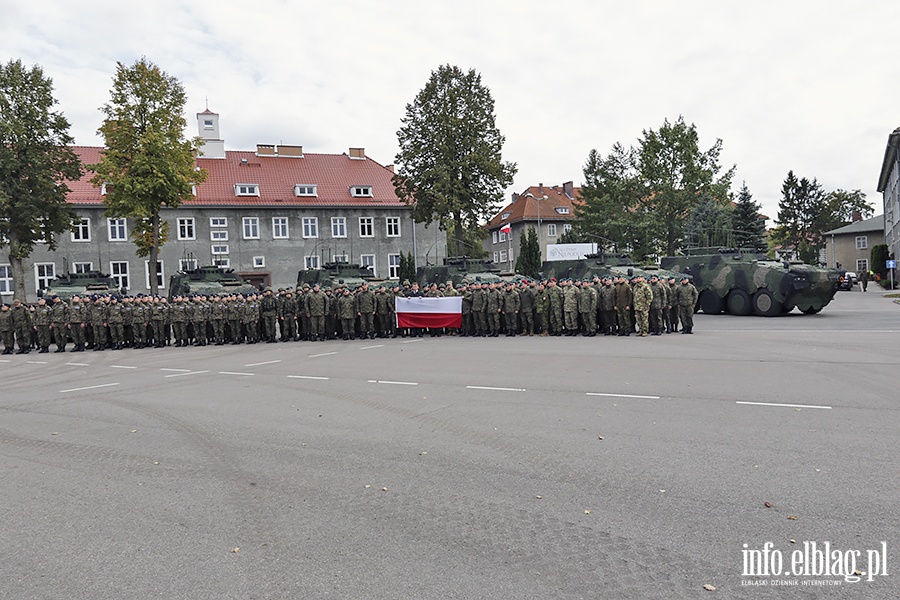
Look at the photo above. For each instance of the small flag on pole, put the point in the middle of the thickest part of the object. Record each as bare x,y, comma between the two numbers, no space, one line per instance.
506,228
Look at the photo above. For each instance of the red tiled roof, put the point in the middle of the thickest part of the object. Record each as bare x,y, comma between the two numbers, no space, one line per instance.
332,174
525,206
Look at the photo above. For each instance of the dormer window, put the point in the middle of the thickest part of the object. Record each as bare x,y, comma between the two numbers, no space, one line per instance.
504,216
103,189
246,189
563,210
303,189
361,191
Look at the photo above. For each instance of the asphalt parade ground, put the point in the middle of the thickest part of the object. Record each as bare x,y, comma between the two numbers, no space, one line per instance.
527,467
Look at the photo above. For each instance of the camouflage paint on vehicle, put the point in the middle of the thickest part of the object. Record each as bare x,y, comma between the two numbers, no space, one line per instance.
333,274
208,281
81,284
599,265
457,268
744,282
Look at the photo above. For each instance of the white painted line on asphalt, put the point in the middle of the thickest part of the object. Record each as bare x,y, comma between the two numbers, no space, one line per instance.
393,382
785,405
370,347
234,373
78,364
176,370
323,354
305,377
499,389
623,396
186,373
36,362
90,387
121,367
412,341
4,360
268,362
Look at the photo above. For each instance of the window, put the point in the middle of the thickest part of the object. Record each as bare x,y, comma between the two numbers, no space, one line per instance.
365,227
118,230
567,228
340,258
251,228
361,191
83,267
502,236
311,262
187,264
505,216
279,228
259,262
563,210
219,249
367,260
338,227
186,229
493,237
44,273
82,231
218,235
503,258
207,123
118,270
246,189
225,263
862,242
310,227
302,189
551,230
218,221
862,264
394,266
160,275
393,226
496,257
6,280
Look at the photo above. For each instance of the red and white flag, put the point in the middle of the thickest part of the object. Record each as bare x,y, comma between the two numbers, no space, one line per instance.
429,312
506,228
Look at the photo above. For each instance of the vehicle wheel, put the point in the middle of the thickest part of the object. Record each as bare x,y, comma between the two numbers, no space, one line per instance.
810,310
710,303
765,304
739,303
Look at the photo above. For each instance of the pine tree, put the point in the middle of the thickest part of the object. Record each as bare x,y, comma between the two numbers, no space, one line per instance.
529,261
749,228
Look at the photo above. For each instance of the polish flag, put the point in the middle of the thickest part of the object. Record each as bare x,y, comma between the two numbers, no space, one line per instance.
507,229
429,312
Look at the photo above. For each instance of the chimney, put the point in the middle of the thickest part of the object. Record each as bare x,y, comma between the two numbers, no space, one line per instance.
390,168
856,216
515,196
265,149
290,151
358,153
541,189
569,189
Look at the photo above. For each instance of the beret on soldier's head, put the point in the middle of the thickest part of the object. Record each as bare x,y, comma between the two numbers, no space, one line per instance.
684,278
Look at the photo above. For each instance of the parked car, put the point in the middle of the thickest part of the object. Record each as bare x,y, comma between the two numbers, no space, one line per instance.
847,281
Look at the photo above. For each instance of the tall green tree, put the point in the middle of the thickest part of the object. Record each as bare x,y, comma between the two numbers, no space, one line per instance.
36,159
709,224
147,163
529,261
677,175
806,211
450,168
749,229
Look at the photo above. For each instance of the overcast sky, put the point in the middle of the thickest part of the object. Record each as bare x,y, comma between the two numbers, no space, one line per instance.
805,85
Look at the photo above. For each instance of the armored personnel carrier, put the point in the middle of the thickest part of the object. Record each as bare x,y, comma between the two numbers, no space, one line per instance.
208,281
337,273
457,268
600,265
744,281
81,284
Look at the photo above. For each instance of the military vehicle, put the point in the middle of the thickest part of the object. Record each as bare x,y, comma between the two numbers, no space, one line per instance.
337,273
599,265
208,281
81,284
457,268
745,281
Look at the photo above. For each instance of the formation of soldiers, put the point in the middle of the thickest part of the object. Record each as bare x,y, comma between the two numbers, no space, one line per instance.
601,305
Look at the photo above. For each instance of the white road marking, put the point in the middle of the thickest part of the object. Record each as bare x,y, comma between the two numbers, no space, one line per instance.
370,347
234,373
412,341
305,377
121,367
4,360
90,387
323,354
623,396
78,364
35,362
186,373
176,370
499,389
268,362
785,405
393,382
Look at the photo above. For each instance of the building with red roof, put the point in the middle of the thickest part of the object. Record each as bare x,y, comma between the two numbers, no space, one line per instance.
266,214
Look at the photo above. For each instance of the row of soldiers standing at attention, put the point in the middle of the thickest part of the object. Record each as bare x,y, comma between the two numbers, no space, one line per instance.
607,305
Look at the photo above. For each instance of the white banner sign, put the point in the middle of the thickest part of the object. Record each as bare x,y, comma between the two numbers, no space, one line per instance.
569,251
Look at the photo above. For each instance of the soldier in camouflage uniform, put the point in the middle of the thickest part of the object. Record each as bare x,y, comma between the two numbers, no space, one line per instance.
316,307
468,321
526,307
494,309
556,308
607,301
21,323
58,317
347,307
642,299
587,308
479,309
116,320
686,298
542,312
76,319
365,302
288,317
624,302
268,307
657,305
200,320
42,321
672,309
510,305
217,310
570,307
250,317
7,334
99,322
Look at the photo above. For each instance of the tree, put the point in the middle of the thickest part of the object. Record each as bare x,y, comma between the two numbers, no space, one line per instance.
879,256
35,162
709,224
749,229
147,163
449,164
407,267
572,236
469,245
529,261
677,176
806,212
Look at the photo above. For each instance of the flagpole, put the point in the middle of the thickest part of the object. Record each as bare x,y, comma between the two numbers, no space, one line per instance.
509,250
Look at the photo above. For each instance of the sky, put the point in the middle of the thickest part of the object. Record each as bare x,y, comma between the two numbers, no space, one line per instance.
801,85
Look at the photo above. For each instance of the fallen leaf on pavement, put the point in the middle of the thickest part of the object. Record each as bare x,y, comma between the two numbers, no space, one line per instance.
792,518
709,588
768,504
